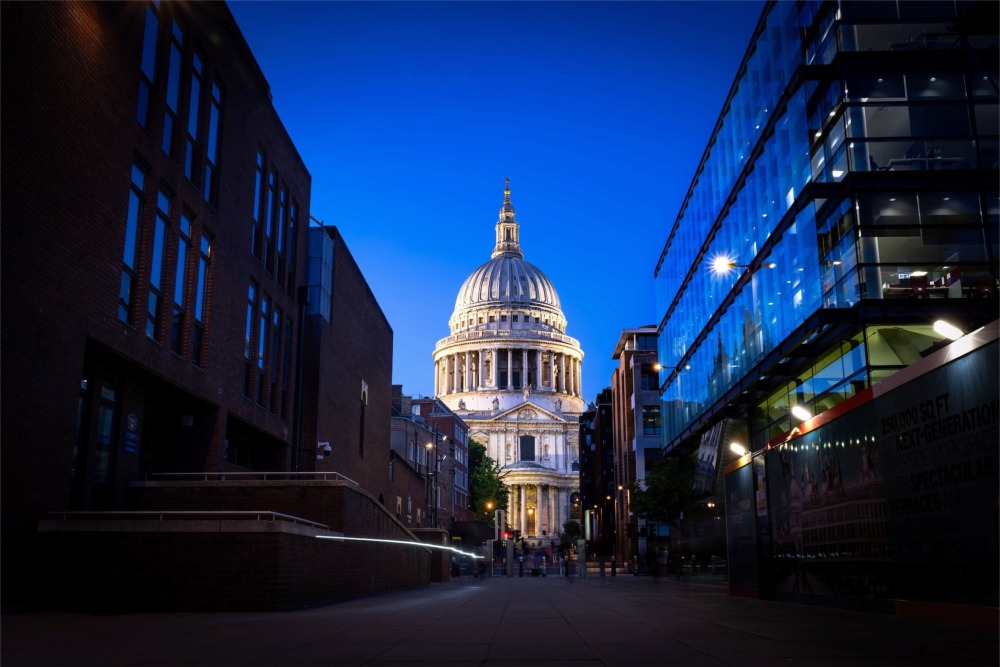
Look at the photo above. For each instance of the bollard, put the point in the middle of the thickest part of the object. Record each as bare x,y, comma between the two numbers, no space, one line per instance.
614,566
602,567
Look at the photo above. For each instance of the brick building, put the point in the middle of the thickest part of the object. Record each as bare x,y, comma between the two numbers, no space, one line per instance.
597,476
154,285
449,495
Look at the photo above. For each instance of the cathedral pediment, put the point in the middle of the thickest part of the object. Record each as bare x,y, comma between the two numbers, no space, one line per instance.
528,412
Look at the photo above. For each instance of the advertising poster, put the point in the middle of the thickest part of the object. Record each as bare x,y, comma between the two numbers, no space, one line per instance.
939,439
828,523
741,526
707,461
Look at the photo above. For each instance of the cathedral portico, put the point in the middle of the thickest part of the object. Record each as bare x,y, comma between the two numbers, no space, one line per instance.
509,369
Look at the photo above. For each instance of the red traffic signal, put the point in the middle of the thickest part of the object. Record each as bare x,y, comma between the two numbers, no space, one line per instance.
506,534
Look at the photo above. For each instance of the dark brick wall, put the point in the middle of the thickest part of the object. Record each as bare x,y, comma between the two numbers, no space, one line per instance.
178,568
215,571
71,73
354,348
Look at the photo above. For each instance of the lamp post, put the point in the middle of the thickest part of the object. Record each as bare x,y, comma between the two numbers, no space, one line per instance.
432,490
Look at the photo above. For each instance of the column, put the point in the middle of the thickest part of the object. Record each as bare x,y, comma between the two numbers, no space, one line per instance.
521,509
579,377
482,369
467,379
437,377
562,373
538,370
510,369
524,368
554,526
552,371
513,504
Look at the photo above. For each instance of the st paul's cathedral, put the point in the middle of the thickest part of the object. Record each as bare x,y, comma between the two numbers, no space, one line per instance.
511,372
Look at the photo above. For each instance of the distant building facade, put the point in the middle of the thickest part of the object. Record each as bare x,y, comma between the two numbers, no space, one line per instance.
637,434
509,370
598,497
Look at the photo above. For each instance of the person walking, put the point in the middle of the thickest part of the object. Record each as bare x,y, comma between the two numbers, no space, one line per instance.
662,558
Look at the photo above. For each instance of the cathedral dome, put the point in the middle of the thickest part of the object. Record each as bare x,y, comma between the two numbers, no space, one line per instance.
507,280
507,283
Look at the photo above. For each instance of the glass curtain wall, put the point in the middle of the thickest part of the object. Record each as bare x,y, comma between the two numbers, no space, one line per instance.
747,204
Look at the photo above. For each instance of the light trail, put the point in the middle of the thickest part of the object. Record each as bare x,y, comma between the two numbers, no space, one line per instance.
404,542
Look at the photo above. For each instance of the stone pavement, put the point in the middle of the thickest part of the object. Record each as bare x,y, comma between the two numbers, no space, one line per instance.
549,621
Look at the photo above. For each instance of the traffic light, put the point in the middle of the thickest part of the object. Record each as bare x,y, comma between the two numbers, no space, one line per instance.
506,534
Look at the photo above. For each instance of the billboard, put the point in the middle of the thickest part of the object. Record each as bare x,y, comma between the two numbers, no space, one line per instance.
707,463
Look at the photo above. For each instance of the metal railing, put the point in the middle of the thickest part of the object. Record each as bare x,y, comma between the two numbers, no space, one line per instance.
251,475
160,515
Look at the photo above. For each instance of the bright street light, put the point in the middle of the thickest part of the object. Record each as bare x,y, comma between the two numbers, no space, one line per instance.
738,449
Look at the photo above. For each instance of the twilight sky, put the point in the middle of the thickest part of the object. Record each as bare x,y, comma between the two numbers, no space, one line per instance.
409,115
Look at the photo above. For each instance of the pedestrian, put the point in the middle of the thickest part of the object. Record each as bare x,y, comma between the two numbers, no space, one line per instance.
662,557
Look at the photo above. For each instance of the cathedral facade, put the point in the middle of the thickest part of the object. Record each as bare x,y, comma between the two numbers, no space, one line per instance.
511,372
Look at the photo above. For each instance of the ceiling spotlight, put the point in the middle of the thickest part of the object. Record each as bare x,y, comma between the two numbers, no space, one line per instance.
948,330
801,413
738,449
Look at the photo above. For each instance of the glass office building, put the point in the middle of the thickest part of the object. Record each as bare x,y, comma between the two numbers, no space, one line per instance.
847,199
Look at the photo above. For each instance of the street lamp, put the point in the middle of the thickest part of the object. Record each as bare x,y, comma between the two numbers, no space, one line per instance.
432,514
723,264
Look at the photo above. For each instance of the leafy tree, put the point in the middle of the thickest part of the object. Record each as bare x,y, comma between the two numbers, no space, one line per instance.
667,490
572,529
485,483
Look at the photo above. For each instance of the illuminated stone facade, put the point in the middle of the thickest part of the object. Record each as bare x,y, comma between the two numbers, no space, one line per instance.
511,372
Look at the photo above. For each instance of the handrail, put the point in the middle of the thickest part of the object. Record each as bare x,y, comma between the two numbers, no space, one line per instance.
262,475
257,515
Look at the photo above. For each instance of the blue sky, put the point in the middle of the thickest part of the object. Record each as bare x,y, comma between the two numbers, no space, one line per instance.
409,115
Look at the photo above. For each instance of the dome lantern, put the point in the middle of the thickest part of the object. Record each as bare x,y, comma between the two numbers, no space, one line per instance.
507,228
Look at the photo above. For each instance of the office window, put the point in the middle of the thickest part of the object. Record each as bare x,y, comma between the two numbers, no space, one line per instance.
262,330
648,379
279,263
173,88
293,225
201,299
211,158
248,339
180,284
257,238
277,319
194,104
156,272
133,231
147,71
269,227
651,420
645,342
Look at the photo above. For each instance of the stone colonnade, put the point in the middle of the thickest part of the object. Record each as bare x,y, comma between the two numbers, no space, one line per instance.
507,369
538,507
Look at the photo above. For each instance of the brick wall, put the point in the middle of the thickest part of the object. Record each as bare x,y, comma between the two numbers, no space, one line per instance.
227,565
181,563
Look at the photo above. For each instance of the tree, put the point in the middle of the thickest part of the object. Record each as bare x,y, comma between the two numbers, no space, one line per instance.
666,491
485,483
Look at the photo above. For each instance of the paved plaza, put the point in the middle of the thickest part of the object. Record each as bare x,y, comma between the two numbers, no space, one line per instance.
551,621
